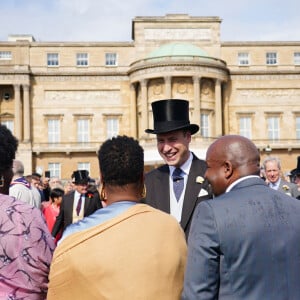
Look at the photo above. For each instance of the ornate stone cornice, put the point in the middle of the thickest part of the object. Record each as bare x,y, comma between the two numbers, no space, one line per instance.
179,70
59,77
265,76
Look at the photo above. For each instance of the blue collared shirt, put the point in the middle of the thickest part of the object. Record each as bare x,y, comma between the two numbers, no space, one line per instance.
99,216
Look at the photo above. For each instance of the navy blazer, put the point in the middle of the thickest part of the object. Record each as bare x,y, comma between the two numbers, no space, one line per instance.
65,216
245,244
158,191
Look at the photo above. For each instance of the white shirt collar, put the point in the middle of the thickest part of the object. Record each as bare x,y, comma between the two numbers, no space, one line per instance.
229,188
185,167
77,195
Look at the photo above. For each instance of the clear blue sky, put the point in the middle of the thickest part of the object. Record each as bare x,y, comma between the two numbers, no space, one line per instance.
110,20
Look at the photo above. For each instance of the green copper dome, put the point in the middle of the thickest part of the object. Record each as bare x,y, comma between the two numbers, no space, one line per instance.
176,49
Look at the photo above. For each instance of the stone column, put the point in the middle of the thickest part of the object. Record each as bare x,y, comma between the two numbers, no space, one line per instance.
18,115
133,116
218,108
197,113
144,96
26,116
168,87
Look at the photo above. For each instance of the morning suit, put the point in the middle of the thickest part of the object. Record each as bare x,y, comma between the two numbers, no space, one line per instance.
158,191
288,188
65,217
245,245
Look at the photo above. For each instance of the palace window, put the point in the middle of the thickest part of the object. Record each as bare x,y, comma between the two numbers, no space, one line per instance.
52,59
271,58
5,55
9,124
110,59
53,131
112,127
204,125
82,59
246,126
83,130
297,58
55,169
298,128
84,166
243,59
273,128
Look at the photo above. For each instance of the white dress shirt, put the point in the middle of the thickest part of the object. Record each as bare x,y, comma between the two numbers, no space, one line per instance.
176,206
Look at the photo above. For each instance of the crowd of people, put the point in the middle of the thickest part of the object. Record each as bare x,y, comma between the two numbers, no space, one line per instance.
226,227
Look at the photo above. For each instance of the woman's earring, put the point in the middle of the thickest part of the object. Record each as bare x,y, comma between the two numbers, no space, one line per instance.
144,192
2,181
102,193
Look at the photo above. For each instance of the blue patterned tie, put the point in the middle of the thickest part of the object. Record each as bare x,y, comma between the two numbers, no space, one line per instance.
178,183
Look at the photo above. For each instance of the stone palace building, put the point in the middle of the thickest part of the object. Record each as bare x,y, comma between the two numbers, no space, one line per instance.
63,99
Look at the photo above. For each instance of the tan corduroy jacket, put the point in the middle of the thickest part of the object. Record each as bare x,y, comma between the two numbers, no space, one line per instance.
140,254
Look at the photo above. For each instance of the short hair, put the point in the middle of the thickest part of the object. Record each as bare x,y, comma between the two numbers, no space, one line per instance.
18,167
275,159
121,161
56,192
8,148
36,177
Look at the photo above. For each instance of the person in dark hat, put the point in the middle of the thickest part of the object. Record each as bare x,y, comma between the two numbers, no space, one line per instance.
179,185
77,204
295,175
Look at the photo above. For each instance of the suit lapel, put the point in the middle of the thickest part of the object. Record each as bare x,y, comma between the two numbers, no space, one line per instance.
192,191
69,202
162,180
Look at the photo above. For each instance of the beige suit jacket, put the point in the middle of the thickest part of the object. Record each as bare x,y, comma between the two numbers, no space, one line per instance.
140,254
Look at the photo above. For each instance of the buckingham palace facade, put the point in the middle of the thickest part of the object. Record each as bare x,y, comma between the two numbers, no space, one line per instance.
62,100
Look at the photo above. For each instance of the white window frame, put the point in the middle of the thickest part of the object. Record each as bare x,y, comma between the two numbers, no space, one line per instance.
5,55
111,59
83,130
271,58
112,127
273,123
297,58
55,169
52,59
82,59
204,125
84,166
245,126
9,124
298,127
243,59
53,131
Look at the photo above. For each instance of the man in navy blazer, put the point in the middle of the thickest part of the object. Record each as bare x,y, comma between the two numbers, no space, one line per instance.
245,243
173,133
77,204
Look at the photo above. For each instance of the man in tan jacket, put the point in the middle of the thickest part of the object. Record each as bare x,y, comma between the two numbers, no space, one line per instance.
126,250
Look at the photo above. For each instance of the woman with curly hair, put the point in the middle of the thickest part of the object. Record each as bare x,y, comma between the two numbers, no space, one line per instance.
26,245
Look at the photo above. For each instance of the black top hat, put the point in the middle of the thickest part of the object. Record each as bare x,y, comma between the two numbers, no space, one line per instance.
81,176
170,115
297,170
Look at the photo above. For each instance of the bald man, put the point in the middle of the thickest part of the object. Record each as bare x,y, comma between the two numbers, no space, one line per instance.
245,244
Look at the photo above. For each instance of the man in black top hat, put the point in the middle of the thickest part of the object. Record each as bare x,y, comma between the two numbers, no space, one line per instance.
77,204
179,185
